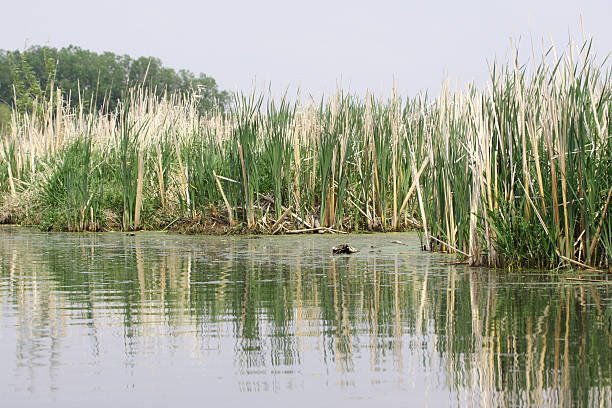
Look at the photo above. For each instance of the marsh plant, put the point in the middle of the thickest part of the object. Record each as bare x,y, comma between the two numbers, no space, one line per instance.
517,174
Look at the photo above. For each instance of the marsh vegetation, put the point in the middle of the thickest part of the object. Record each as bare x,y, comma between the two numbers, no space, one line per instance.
516,174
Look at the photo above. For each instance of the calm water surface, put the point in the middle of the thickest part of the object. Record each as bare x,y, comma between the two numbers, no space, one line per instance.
165,320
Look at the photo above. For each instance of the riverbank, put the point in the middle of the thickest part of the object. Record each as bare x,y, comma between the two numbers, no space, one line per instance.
208,222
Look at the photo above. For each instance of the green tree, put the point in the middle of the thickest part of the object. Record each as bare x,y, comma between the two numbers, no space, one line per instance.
28,84
5,117
99,79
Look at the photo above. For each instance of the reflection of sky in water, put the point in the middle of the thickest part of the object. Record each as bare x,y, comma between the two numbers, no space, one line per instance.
157,319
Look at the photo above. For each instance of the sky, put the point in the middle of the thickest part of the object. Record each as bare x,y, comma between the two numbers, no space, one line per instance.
314,45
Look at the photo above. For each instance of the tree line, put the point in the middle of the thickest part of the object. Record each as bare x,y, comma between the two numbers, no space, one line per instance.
95,80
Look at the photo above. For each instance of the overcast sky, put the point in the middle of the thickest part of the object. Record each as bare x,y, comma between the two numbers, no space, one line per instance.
311,44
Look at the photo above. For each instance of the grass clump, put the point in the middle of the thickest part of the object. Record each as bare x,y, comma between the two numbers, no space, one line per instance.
72,190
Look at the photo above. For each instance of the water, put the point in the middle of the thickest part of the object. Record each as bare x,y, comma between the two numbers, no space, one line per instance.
165,320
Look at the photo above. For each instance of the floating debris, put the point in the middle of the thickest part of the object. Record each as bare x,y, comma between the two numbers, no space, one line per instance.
344,249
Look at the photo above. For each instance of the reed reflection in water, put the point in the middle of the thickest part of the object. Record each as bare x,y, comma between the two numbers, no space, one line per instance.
159,318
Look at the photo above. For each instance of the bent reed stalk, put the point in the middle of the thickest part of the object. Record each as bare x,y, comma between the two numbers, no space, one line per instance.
519,174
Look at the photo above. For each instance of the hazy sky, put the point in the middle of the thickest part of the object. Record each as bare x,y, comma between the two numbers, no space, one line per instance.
312,44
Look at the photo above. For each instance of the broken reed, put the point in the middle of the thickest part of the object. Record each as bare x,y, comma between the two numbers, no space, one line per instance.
519,174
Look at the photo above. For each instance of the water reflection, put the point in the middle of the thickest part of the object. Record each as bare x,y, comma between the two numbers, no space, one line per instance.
281,314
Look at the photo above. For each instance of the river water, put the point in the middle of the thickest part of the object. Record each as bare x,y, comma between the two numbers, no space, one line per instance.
155,319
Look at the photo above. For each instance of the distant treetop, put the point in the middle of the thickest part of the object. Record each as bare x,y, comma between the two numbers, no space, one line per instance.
96,77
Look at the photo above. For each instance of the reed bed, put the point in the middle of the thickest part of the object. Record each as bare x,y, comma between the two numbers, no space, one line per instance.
517,174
